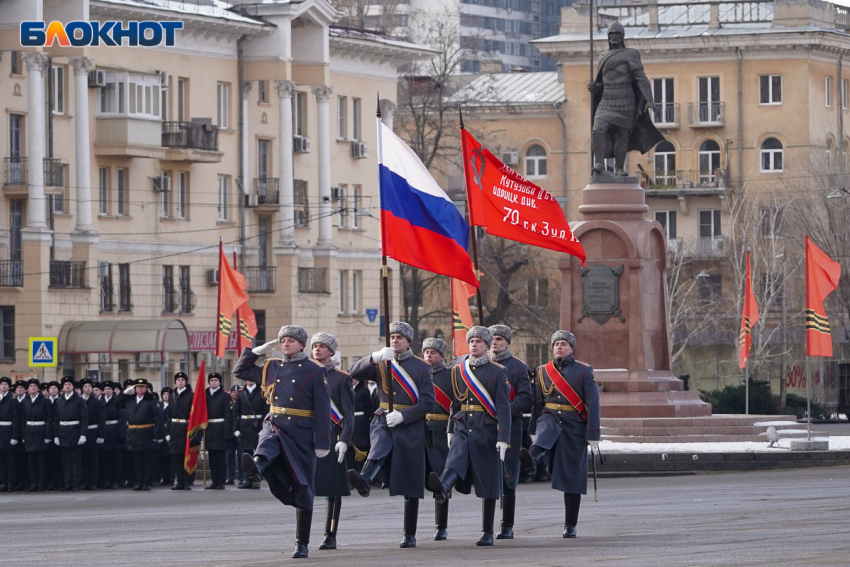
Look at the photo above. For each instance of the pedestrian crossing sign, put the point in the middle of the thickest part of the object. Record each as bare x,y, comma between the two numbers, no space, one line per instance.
42,352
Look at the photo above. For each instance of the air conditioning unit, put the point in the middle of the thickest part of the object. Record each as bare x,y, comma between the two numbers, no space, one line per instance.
103,269
510,158
212,276
163,78
161,184
252,201
97,78
359,150
301,144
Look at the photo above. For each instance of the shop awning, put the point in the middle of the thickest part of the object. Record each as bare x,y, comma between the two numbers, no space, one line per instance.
124,336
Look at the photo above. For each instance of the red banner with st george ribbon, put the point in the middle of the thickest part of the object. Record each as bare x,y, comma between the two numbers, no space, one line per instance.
509,206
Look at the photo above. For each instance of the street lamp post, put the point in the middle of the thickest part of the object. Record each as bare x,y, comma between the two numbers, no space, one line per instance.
782,385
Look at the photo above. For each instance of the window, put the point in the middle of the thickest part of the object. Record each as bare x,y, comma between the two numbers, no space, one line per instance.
829,146
343,291
357,203
302,208
263,169
665,165
125,302
182,195
535,162
827,89
709,161
668,221
223,102
709,99
662,93
121,191
103,190
770,221
299,114
58,90
771,287
771,155
16,223
844,94
16,137
132,94
104,270
262,91
260,316
166,197
355,291
16,65
342,115
709,223
187,297
182,99
169,294
535,355
7,332
57,203
338,204
538,292
770,89
223,189
710,287
355,119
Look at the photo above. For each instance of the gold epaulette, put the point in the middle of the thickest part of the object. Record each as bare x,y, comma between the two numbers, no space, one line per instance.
580,362
496,363
420,359
316,362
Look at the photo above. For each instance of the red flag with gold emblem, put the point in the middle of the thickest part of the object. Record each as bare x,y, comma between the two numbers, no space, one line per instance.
247,327
231,294
461,315
198,419
822,276
749,317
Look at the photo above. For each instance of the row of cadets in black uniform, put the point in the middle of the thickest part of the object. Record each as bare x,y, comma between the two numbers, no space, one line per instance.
297,430
10,436
219,430
178,412
145,429
249,411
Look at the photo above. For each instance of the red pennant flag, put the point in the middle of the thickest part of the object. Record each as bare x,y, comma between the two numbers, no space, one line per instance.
749,317
247,327
231,294
510,206
461,315
822,276
197,423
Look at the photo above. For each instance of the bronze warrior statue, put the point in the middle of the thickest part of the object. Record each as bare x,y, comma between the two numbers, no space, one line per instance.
621,96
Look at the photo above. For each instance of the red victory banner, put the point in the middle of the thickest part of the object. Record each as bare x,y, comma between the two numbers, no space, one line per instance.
197,423
749,318
461,315
510,206
231,294
822,276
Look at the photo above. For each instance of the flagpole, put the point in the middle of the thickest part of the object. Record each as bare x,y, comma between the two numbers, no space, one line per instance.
237,326
472,229
218,304
384,270
808,402
747,386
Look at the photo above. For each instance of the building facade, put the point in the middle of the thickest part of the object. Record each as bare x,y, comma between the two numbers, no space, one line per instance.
125,167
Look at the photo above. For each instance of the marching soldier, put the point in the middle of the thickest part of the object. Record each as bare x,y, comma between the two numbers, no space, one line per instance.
94,436
37,418
110,472
480,428
566,408
10,435
143,428
219,430
521,400
179,410
251,408
399,433
297,429
364,410
21,461
71,423
436,436
331,481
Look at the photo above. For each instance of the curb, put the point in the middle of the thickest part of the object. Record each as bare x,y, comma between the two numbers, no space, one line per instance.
689,463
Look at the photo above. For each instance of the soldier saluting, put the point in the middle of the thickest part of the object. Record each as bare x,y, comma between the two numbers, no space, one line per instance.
401,432
297,429
437,422
566,408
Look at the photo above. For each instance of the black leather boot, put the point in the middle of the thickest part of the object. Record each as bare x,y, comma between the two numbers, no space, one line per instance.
331,522
488,518
441,520
442,485
362,481
528,461
411,518
572,502
506,527
303,520
253,467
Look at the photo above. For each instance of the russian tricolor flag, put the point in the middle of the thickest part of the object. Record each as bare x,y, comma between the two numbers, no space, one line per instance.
420,226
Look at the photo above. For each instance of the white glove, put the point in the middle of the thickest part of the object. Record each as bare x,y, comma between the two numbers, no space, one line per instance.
158,440
129,390
394,418
341,449
99,440
263,349
386,353
533,439
168,438
322,453
593,444
82,440
13,442
502,447
238,434
55,440
449,438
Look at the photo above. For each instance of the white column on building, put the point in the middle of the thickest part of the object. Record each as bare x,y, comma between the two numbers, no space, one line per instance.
285,90
36,62
387,112
323,95
82,66
246,173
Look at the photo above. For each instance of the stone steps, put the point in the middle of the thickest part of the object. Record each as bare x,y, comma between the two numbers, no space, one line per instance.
711,429
707,438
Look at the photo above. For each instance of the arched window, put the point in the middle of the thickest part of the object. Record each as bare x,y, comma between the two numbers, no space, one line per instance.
535,162
829,146
709,161
665,165
771,155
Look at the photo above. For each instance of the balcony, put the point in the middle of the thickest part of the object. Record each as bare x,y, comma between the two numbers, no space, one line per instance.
127,136
16,176
706,114
170,297
194,141
688,182
261,279
11,273
668,116
313,280
188,299
67,274
700,248
268,192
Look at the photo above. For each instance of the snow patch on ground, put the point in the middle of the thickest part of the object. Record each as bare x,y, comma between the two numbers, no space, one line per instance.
835,444
774,423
